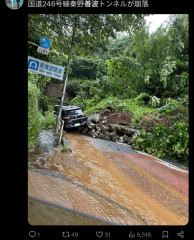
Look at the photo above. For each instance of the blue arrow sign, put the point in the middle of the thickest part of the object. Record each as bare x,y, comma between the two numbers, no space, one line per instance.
45,43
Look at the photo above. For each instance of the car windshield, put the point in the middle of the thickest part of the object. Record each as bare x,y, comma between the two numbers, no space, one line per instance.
74,112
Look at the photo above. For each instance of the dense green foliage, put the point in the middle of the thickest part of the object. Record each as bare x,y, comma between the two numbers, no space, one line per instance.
167,142
38,118
146,75
73,36
135,72
129,106
78,34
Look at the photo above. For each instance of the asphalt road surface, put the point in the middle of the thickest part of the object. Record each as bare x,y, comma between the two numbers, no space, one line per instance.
109,181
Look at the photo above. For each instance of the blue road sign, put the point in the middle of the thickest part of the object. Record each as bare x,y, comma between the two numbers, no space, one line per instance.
45,68
33,64
45,43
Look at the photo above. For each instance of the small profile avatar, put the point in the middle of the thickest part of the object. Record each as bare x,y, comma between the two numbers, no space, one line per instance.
14,4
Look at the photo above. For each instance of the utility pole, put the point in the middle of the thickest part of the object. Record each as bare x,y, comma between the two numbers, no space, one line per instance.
66,77
63,94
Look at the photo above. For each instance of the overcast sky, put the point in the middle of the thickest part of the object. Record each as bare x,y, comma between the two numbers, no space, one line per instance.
156,20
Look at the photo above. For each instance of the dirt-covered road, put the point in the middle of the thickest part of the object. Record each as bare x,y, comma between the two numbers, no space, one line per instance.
110,181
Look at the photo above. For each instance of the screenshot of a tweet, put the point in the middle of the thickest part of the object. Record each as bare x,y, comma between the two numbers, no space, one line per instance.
103,97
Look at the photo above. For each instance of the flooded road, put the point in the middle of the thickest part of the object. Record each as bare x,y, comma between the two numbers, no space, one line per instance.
113,184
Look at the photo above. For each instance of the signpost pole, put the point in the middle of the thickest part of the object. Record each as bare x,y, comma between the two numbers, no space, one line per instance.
63,95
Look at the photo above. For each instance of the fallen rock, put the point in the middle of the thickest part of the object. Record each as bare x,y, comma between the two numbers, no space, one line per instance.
104,129
95,135
91,126
110,125
113,136
130,131
129,141
125,139
117,128
102,136
94,118
98,128
121,140
107,135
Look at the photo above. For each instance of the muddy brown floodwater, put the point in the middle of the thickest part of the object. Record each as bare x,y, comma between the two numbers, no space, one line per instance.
124,188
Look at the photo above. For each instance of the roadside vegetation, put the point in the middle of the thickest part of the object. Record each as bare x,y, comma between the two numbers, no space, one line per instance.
138,73
39,114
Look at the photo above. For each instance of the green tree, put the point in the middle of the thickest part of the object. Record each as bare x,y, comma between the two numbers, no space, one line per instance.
80,33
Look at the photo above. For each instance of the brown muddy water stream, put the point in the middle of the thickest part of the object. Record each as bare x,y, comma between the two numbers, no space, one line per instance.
124,188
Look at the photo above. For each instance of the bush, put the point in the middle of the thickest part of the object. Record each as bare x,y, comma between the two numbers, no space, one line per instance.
154,101
142,98
34,127
36,104
49,120
73,87
165,142
173,107
34,115
78,101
